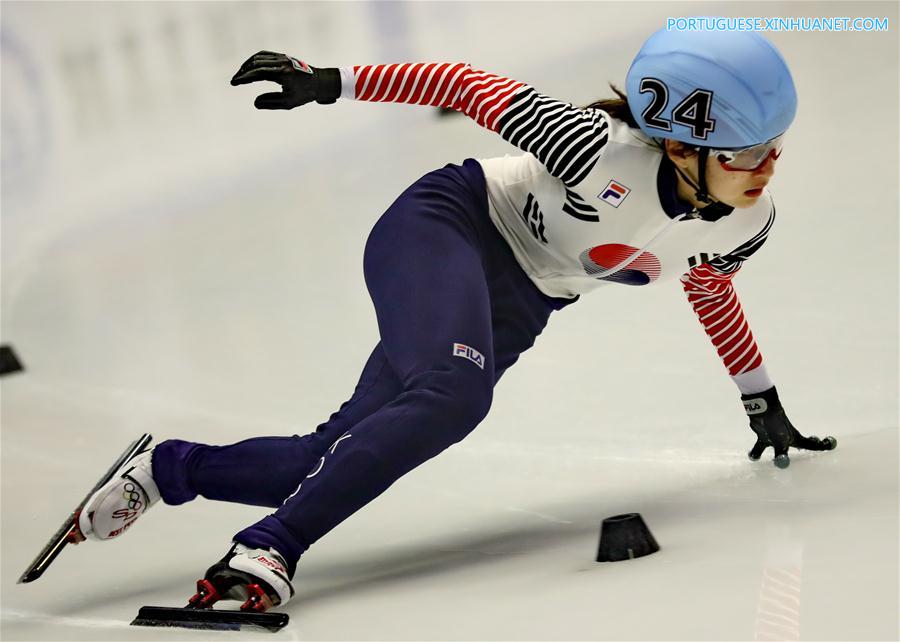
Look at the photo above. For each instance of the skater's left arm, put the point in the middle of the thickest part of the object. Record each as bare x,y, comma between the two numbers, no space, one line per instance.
568,140
710,291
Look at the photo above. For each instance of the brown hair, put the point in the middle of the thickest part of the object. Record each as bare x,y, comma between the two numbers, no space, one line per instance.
616,107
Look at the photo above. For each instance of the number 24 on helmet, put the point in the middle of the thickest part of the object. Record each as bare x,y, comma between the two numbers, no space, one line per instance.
729,91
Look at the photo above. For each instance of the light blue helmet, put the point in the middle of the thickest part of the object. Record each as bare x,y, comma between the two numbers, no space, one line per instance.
720,89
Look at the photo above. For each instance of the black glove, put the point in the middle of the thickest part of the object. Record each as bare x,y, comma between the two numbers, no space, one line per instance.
299,82
773,428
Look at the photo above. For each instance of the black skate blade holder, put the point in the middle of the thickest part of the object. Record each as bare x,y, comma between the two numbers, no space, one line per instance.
59,540
208,618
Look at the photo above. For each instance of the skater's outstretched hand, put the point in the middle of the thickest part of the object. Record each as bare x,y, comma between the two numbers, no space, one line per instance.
300,83
772,427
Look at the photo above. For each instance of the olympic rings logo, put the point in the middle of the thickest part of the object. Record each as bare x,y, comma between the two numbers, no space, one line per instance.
132,496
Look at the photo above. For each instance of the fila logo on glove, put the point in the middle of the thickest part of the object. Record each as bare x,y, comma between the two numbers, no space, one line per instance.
755,406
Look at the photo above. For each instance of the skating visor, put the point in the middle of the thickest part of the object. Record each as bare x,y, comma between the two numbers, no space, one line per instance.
749,158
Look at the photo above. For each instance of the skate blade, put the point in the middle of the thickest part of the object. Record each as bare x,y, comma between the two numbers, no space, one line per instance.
66,533
218,619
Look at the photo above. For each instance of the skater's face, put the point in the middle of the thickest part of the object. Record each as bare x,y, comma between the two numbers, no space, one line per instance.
734,188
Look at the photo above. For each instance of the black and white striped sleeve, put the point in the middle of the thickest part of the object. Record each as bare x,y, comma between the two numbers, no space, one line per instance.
567,140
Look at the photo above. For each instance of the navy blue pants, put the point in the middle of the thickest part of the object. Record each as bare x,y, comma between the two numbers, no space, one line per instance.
454,311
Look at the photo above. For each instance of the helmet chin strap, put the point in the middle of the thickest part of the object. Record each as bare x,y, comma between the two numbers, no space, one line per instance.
700,191
715,208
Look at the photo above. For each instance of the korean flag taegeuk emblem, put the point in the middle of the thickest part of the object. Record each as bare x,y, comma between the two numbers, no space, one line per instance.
614,193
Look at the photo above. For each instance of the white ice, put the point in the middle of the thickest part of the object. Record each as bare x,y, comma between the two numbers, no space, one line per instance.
176,262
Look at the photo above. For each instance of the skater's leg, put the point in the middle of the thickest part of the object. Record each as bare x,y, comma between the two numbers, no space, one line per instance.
425,274
263,471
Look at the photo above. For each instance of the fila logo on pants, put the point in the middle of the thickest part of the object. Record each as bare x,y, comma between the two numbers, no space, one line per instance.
464,351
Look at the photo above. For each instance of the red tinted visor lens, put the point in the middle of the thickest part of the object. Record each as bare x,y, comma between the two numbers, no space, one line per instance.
750,158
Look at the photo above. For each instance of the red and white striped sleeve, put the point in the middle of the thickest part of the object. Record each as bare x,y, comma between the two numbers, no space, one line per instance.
715,301
566,139
711,293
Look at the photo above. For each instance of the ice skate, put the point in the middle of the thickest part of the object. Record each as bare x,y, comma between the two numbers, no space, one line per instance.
257,577
69,532
115,507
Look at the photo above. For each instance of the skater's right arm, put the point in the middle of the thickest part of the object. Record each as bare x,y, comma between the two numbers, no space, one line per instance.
567,140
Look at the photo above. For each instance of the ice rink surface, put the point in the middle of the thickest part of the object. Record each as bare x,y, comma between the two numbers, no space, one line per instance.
176,262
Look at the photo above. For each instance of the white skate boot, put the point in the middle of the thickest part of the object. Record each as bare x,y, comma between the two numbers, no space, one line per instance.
257,577
118,504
